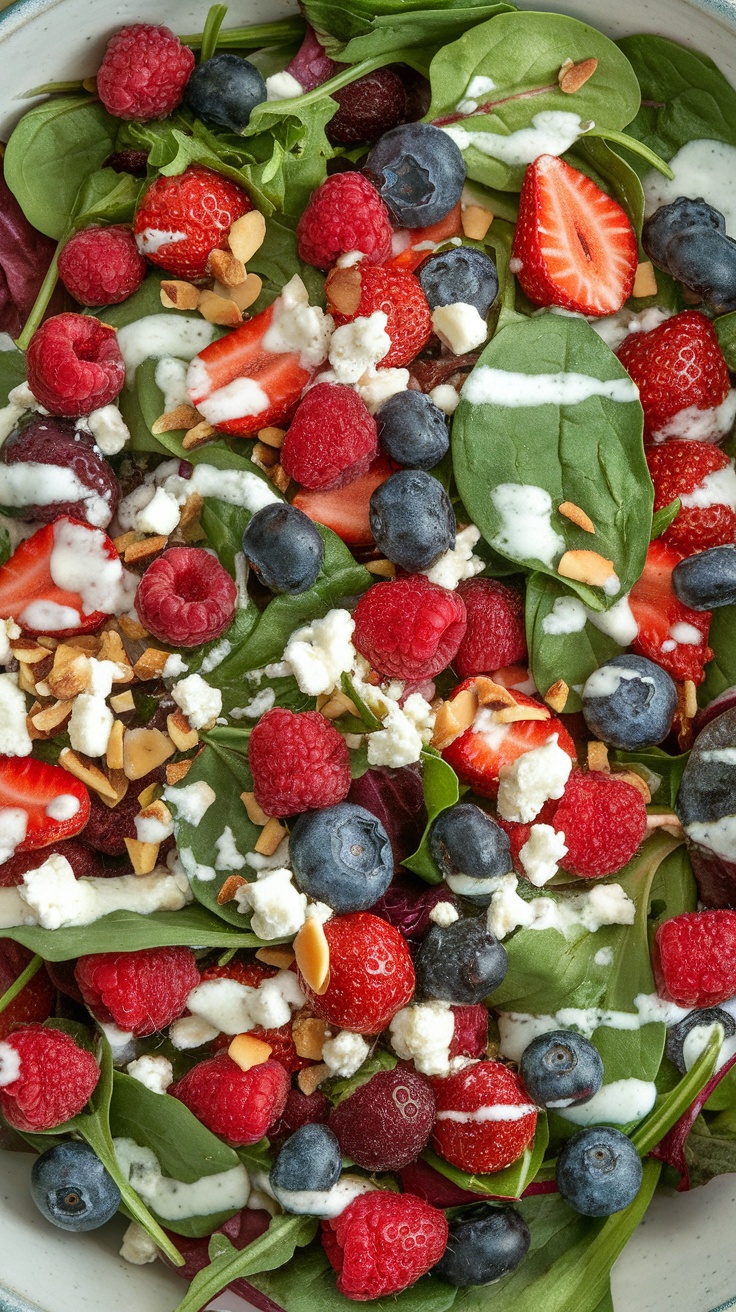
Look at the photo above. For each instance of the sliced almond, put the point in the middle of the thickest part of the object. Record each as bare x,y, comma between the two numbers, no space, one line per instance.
665,820
264,455
28,652
384,569
574,76
557,695
576,515
230,888
310,1035
144,549
343,288
144,750
645,280
220,310
51,718
311,1077
114,753
339,704
246,235
244,294
181,733
281,958
148,795
70,673
598,756
179,295
142,855
312,952
112,649
636,781
492,694
279,477
183,416
157,810
119,785
41,689
476,221
122,702
151,664
86,642
256,813
520,712
586,567
126,540
177,771
198,435
454,717
272,436
132,629
49,643
270,837
226,268
87,773
247,1051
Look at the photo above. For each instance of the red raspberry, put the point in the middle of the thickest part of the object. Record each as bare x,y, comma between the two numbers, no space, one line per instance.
51,441
409,629
382,1243
186,597
140,991
369,107
143,72
345,214
387,1121
281,1043
694,958
371,974
473,1129
604,820
678,469
74,364
495,636
240,1106
470,1038
332,438
409,319
299,762
55,1081
101,266
199,203
82,861
301,1109
35,1001
675,366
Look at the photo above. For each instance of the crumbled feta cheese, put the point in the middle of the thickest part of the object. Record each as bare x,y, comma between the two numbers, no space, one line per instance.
122,1042
150,829
58,900
445,397
444,914
423,1034
109,429
279,909
190,801
376,385
542,851
138,1248
507,910
345,1053
198,700
234,1008
191,1032
62,807
531,780
174,666
90,724
160,515
460,327
299,327
14,739
217,654
321,651
605,904
8,629
13,826
398,743
282,86
262,702
459,563
10,1064
279,858
228,856
153,1072
358,346
319,911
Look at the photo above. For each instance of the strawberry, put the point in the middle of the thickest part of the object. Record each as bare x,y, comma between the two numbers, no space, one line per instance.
345,509
576,245
413,241
479,753
471,1130
371,974
182,219
29,593
31,786
679,366
35,1001
400,297
705,480
670,634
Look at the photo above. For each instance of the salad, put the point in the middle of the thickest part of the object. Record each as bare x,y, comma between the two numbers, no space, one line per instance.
368,620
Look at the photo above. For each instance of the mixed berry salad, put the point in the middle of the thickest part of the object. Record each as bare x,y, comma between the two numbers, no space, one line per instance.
368,624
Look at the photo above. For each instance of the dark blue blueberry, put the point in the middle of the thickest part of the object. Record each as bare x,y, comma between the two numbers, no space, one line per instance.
460,963
704,261
310,1159
224,90
708,785
462,273
678,216
342,856
413,430
71,1187
419,172
676,1034
284,547
561,1069
412,519
707,580
470,848
598,1171
629,702
484,1243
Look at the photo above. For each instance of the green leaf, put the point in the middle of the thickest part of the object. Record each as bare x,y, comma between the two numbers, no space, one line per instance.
671,1107
212,24
192,924
307,1284
12,372
684,96
720,672
569,656
337,1090
359,30
273,1249
655,765
709,1153
11,993
663,517
590,453
725,326
673,890
509,1183
277,260
253,37
107,197
441,789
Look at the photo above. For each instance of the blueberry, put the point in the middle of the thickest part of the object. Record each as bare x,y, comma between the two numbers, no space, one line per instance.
707,580
224,90
561,1069
284,547
470,848
462,273
309,1160
413,430
461,963
704,261
419,172
708,786
598,1171
412,519
342,856
71,1187
484,1243
677,217
629,702
677,1034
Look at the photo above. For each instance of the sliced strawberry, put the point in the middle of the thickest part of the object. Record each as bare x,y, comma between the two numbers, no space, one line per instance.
345,509
576,246
33,786
409,257
682,377
667,627
479,754
28,592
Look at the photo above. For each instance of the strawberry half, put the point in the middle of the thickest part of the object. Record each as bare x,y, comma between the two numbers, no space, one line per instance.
576,246
670,634
33,786
682,377
409,257
29,594
345,509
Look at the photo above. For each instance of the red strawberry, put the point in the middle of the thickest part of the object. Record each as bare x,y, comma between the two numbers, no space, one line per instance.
678,366
35,1000
470,1038
182,219
694,958
705,479
484,1117
479,753
31,786
408,257
668,630
576,245
30,595
371,974
345,509
399,296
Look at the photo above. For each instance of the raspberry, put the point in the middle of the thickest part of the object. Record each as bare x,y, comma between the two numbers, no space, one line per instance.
299,762
240,1106
368,108
300,1109
409,629
186,597
81,860
344,214
140,991
101,266
128,161
74,364
51,441
470,1038
55,1081
35,1001
371,974
199,203
387,1121
409,319
463,1135
604,819
677,366
681,468
143,72
694,958
495,635
332,438
382,1243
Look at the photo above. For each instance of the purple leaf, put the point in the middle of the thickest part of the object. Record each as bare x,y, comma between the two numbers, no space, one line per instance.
406,905
671,1149
25,256
396,797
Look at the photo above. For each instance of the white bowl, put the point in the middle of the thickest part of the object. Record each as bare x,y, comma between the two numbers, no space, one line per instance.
679,1260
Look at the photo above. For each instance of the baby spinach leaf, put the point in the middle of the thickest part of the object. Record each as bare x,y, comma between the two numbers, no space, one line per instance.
107,197
654,761
569,656
509,1183
673,889
441,789
192,924
354,31
663,517
337,1090
720,672
589,452
709,1153
725,326
12,372
619,179
684,97
273,1249
308,1283
671,1107
277,260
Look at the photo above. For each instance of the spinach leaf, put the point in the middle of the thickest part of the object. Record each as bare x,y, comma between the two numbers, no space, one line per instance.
12,372
212,24
589,452
338,1089
308,1283
671,1107
277,260
509,1183
725,326
673,889
441,789
569,656
720,673
652,761
684,97
663,517
594,156
107,197
354,31
192,924
273,1249
708,1152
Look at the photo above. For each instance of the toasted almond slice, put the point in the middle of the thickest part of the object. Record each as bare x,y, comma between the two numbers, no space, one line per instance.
645,280
230,888
132,629
144,549
343,289
181,733
151,664
247,1051
191,509
155,809
279,477
573,76
70,673
310,1035
114,753
339,704
270,837
520,712
312,952
49,643
119,784
51,718
598,756
492,694
246,235
263,455
28,652
226,268
177,771
245,294
142,855
220,310
122,702
689,699
636,781
179,295
126,540
87,773
578,516
476,221
112,649
89,643
281,958
272,436
148,795
586,567
41,689
144,750
384,569
665,820
197,436
311,1077
454,717
557,695
256,813
182,416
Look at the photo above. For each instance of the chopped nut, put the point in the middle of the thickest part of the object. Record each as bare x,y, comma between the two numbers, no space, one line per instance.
272,436
385,569
454,717
126,540
226,268
147,547
114,753
148,795
281,958
265,456
151,664
28,652
26,681
51,718
191,509
339,704
665,820
636,781
155,810
246,235
310,1035
270,837
70,673
476,221
89,643
343,289
689,700
255,812
219,310
132,629
122,701
493,695
179,295
119,785
181,733
311,1077
197,436
598,756
244,294
557,695
230,888
183,416
520,712
312,952
578,516
586,567
142,855
49,643
177,771
645,281
279,477
572,77
42,689
144,750
86,772
247,1051
112,649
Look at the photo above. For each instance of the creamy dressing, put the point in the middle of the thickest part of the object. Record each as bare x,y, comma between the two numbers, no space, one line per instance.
701,168
152,240
326,1203
700,425
63,807
160,335
607,680
30,482
717,835
517,1030
80,564
170,377
236,400
717,489
487,386
525,512
499,1112
50,896
620,1102
552,132
238,487
569,615
175,1200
